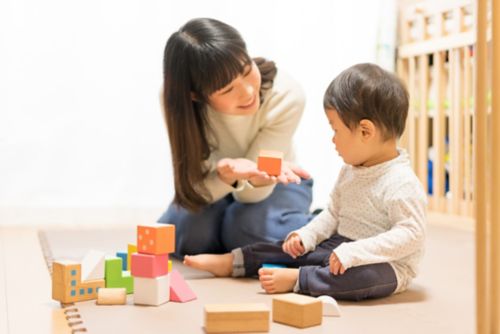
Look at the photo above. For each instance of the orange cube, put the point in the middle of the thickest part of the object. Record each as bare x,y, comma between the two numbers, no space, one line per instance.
156,239
270,162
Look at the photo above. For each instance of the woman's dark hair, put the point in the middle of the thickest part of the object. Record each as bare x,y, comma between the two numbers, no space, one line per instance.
202,57
366,91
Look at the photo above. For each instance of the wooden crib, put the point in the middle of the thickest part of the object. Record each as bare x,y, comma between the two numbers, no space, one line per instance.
449,57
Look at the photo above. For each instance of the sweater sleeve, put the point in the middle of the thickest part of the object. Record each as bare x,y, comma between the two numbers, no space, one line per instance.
284,111
323,225
408,212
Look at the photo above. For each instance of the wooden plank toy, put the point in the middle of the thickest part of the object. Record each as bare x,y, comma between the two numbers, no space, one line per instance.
147,265
115,277
131,249
67,286
297,310
270,162
179,290
156,239
93,265
236,318
152,291
112,296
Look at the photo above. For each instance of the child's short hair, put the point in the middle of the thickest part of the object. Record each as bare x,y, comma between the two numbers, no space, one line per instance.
366,91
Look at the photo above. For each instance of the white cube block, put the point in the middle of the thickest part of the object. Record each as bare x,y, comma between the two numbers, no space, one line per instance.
93,265
151,291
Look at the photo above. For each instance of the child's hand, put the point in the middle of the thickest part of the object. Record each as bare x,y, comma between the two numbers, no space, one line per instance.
336,266
293,246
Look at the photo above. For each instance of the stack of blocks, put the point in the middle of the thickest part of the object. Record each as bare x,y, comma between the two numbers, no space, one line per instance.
150,264
74,282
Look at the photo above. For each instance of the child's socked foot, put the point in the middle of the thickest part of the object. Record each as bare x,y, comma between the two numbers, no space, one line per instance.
276,280
221,265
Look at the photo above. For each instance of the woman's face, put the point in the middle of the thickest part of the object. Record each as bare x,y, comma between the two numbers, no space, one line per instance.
240,96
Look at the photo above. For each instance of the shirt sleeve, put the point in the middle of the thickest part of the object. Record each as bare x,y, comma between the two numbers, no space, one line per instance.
408,212
323,225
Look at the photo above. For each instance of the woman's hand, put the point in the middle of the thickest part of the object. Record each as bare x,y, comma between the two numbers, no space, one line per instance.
336,266
293,246
232,170
291,173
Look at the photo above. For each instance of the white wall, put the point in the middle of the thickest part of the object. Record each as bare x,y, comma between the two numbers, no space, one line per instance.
80,124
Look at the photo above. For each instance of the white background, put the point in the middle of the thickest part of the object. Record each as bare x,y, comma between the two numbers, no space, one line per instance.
80,123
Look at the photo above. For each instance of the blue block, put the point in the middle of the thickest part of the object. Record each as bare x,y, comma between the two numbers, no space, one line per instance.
123,256
273,265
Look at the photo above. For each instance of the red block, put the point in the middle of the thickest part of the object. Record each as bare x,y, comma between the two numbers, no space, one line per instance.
179,290
150,266
270,162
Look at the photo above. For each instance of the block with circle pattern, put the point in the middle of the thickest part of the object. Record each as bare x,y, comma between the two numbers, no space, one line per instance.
156,239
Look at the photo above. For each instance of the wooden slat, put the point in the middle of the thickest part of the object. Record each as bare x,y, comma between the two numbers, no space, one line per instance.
467,149
436,44
495,169
423,118
483,311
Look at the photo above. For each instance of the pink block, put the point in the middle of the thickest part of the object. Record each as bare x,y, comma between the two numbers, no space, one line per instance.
150,266
179,290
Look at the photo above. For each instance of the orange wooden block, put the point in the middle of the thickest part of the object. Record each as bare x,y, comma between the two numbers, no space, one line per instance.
270,162
156,239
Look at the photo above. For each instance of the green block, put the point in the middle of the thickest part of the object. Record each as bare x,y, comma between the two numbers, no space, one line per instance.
114,276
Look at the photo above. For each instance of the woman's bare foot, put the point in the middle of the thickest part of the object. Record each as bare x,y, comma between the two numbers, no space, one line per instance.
276,280
221,265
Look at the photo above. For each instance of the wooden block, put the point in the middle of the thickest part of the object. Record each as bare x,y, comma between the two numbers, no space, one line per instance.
115,277
330,306
112,296
131,249
270,162
67,286
179,290
93,265
152,291
297,310
169,266
156,239
147,265
125,261
236,318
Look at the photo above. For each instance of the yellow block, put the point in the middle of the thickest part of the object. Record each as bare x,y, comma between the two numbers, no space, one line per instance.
131,248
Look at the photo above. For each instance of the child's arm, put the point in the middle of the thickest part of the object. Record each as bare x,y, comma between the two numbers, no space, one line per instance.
407,209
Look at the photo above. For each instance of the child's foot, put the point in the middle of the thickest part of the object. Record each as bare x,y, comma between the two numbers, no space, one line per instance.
221,265
276,280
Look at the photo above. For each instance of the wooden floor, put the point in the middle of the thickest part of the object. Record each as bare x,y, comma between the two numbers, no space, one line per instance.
440,300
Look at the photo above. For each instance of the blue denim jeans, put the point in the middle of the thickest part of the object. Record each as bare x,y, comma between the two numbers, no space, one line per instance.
315,279
228,224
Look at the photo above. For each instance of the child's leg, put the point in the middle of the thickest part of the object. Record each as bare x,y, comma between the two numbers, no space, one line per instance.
357,283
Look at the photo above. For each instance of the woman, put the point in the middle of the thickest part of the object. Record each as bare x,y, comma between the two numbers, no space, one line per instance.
221,108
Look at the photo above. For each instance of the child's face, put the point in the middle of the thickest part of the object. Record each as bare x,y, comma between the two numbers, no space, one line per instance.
348,143
240,96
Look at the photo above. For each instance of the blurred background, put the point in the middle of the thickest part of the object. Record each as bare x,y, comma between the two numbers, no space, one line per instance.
80,121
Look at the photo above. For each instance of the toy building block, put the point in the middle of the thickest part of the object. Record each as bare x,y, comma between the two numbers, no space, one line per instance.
112,296
147,265
231,318
179,290
156,239
115,277
131,249
169,266
93,265
330,306
297,310
273,265
151,291
124,257
67,286
270,162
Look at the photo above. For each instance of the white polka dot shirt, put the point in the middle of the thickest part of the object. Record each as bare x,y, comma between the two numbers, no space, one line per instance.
383,209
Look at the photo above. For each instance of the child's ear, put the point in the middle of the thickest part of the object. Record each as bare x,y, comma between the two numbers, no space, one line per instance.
367,128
